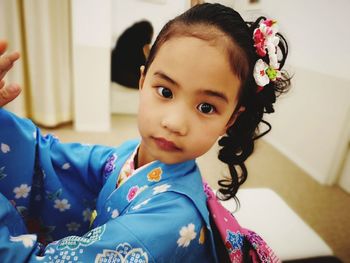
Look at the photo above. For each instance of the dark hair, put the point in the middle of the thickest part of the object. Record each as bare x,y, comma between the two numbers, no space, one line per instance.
215,22
127,55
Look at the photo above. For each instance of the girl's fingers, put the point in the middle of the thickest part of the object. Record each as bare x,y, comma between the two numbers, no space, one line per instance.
8,93
7,61
3,46
3,73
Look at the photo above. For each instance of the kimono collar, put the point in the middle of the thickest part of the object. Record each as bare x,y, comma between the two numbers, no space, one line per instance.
147,176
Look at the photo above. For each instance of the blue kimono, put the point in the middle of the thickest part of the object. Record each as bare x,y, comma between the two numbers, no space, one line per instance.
49,191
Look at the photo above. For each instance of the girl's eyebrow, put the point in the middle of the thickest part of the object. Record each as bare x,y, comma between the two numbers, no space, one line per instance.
162,75
208,92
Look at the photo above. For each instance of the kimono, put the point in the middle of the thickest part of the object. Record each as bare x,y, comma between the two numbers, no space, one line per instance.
63,203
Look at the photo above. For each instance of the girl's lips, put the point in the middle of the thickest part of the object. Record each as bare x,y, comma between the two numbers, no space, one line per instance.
166,145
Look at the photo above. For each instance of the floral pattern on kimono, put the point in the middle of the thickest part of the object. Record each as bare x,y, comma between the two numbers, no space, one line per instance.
156,215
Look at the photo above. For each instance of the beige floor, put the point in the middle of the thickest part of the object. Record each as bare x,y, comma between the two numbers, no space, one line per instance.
325,209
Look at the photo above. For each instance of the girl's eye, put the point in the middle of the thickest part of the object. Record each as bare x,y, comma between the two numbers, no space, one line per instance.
206,108
165,92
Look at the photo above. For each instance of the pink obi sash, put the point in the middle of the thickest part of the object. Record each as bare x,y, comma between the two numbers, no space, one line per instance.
233,235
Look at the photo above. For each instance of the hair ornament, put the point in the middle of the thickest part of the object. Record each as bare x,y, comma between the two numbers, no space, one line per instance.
264,73
265,43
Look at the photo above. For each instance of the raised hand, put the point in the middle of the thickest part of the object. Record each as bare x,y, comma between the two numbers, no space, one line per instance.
10,91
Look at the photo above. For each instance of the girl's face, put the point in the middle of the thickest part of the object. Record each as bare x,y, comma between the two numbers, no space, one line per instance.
187,99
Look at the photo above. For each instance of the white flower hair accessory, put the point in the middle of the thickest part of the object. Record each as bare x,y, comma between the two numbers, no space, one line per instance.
265,43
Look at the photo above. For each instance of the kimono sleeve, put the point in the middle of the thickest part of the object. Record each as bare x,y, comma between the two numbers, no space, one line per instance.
52,184
155,231
12,229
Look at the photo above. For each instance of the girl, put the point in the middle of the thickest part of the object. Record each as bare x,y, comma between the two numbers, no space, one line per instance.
208,74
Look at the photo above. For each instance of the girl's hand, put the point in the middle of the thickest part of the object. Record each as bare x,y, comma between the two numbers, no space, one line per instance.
11,91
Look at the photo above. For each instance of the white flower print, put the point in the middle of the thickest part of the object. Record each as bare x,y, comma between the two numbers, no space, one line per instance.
62,205
141,204
142,188
66,166
87,214
161,188
49,251
73,226
22,191
27,240
5,148
187,234
115,213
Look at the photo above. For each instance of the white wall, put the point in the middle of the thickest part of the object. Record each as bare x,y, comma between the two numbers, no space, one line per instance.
311,124
158,12
91,34
318,32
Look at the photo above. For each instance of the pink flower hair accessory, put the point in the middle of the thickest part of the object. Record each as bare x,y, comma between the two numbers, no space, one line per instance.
265,43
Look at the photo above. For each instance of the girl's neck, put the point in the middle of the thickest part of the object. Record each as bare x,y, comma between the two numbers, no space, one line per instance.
141,157
136,159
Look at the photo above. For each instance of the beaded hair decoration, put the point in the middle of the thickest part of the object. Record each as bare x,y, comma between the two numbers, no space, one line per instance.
265,43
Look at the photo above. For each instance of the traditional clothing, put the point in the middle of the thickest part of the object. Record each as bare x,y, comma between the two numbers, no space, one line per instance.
80,203
156,215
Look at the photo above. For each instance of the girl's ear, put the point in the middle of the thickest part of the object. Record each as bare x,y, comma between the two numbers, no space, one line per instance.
233,119
146,49
142,77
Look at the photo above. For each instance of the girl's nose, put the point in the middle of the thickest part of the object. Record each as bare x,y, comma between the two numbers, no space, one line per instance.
175,123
